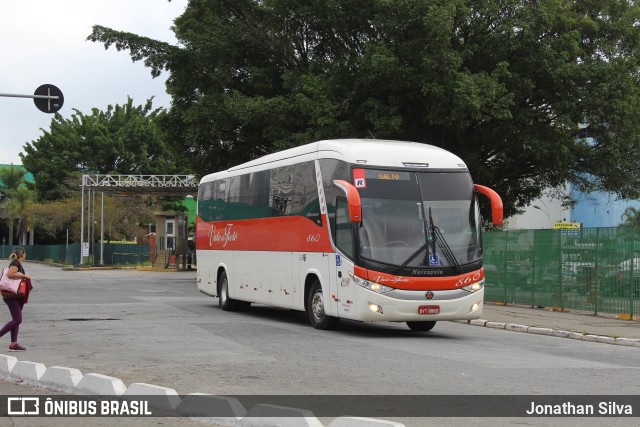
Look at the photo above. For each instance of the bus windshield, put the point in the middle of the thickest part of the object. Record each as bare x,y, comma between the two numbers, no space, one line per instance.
418,219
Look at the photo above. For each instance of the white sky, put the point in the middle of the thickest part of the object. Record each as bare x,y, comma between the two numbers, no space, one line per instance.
44,41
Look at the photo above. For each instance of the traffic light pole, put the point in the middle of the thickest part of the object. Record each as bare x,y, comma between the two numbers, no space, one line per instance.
13,95
48,98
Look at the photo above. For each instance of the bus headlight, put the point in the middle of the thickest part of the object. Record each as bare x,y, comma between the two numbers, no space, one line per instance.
375,308
372,286
474,287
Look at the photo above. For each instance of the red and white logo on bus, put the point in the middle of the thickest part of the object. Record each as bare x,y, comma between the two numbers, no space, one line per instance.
227,235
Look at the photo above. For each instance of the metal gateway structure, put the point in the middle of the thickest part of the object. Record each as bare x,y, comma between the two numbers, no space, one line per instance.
165,185
129,185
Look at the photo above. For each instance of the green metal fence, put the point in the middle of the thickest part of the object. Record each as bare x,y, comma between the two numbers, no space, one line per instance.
113,254
593,269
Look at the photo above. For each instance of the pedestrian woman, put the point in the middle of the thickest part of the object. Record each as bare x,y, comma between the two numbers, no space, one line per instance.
15,304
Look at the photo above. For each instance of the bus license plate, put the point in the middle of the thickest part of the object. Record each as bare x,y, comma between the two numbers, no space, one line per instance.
429,309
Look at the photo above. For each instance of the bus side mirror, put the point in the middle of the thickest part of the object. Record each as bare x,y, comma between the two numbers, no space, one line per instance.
353,199
496,203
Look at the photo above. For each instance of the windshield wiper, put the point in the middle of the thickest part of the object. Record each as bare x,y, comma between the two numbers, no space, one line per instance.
411,257
417,252
434,236
432,233
446,249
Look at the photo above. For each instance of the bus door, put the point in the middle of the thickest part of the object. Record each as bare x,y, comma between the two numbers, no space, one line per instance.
343,239
345,287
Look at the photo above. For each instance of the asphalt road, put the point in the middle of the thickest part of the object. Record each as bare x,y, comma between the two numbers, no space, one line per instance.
157,328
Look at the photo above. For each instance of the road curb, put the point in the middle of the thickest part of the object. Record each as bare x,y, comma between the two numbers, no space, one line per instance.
28,372
61,378
628,342
170,400
230,409
265,415
72,381
101,385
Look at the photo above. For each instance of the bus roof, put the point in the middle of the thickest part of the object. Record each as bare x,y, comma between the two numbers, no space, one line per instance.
368,152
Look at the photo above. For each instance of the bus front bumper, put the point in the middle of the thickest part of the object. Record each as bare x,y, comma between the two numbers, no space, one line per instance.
374,307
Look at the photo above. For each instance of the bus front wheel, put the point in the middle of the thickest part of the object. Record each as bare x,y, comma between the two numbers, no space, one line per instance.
315,308
421,326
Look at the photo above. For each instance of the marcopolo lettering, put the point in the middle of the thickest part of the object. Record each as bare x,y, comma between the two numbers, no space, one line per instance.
427,272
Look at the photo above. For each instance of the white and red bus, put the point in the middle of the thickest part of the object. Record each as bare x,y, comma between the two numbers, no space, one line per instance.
367,230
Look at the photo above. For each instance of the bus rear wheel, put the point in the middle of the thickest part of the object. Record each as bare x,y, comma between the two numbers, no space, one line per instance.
421,326
315,308
224,301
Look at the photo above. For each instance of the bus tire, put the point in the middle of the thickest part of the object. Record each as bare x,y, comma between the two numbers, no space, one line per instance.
224,301
315,308
421,326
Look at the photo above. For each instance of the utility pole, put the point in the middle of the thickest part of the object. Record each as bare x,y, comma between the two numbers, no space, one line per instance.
48,98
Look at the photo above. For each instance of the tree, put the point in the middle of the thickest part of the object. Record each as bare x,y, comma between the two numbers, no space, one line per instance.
123,139
12,177
505,84
52,220
18,207
19,197
124,219
631,217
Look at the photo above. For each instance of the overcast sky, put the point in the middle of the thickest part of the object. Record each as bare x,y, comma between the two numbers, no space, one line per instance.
44,41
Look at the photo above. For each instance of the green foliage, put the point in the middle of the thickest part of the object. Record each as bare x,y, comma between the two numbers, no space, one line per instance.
12,178
504,83
631,217
51,220
124,218
124,139
19,198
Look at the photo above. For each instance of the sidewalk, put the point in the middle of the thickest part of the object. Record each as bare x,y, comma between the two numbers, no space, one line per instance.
570,323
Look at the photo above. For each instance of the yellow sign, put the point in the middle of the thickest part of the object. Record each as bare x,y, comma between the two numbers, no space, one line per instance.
391,176
566,226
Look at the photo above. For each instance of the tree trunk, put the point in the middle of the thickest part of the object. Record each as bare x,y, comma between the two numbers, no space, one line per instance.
11,230
19,230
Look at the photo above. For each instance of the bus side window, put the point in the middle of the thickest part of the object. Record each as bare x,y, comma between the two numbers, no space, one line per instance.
343,229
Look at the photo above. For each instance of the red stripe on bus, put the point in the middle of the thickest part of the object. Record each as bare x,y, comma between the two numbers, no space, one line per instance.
420,283
281,234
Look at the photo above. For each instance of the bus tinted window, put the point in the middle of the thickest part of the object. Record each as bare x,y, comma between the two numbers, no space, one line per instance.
207,201
248,197
446,186
333,169
289,190
305,200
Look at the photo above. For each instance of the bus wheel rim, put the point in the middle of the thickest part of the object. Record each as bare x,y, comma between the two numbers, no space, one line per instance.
317,306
